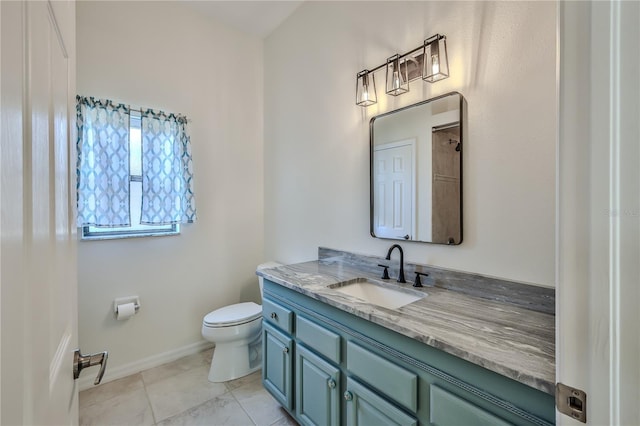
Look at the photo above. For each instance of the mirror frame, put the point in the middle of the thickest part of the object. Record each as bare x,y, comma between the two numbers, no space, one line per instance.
463,137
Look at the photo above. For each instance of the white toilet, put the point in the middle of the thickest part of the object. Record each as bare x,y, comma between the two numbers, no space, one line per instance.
236,331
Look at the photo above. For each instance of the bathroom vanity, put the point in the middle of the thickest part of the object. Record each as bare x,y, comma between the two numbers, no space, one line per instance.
451,357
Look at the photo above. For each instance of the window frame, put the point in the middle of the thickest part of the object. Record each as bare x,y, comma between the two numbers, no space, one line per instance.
96,233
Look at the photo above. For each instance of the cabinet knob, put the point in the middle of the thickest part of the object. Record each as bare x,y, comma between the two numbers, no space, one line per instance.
348,396
274,315
331,383
285,350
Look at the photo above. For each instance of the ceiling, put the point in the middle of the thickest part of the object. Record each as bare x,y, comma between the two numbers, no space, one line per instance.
258,18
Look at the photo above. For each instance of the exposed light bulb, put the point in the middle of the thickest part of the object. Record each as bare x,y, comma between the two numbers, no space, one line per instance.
365,92
365,89
435,65
396,80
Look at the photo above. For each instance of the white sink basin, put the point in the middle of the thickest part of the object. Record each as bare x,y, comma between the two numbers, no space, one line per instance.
378,293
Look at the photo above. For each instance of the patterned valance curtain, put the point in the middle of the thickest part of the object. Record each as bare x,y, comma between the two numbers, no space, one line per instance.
167,170
103,163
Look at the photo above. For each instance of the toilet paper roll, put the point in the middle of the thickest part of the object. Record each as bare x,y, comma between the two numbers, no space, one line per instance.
126,311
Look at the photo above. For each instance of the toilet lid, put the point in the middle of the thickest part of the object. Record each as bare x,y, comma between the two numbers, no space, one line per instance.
233,314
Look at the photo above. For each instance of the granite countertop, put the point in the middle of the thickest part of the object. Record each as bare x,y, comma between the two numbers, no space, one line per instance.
511,340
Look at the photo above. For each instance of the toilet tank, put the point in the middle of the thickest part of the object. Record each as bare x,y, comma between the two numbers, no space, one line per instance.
266,265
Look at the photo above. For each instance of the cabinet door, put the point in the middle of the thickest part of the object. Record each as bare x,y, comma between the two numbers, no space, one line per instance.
448,409
365,408
277,361
317,389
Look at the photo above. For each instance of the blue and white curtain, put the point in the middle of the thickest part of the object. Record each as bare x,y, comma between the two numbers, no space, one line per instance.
167,170
103,163
103,173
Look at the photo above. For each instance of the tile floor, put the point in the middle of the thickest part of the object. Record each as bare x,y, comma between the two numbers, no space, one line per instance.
178,393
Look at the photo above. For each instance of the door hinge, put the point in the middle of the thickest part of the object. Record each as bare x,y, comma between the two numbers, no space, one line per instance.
572,402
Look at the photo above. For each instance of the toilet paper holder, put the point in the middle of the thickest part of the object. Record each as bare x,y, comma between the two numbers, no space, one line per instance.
124,300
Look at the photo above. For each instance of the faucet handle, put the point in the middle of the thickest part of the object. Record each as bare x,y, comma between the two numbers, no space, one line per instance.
417,282
385,273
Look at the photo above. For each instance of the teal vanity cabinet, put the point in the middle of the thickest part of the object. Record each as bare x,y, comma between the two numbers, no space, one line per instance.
375,386
277,353
318,376
366,408
329,367
277,368
317,389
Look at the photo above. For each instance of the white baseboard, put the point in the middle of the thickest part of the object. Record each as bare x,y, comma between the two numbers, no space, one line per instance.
86,381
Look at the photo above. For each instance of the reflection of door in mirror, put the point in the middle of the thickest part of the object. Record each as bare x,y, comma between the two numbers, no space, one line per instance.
416,192
446,151
394,212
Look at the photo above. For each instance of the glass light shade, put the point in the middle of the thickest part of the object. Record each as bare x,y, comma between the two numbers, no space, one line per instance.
397,77
365,89
435,65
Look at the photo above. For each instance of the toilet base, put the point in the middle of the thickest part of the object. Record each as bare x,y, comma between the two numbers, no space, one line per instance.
232,360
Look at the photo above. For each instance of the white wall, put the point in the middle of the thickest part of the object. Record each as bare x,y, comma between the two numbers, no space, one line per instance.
164,56
502,59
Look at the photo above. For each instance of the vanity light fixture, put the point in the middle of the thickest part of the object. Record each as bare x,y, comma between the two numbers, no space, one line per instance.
366,89
397,76
428,61
436,64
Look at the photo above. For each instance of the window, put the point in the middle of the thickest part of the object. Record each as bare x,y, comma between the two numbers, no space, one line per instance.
134,169
135,196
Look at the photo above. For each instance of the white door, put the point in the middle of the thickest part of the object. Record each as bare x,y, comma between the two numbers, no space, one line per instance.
393,177
598,229
38,258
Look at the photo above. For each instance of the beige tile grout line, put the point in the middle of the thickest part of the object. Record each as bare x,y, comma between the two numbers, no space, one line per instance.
229,391
153,414
146,394
284,414
238,401
241,406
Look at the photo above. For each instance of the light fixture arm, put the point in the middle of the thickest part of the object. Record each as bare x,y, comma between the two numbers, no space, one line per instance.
417,58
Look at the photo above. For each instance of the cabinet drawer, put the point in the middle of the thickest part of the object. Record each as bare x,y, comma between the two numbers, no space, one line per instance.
322,340
276,314
396,382
448,409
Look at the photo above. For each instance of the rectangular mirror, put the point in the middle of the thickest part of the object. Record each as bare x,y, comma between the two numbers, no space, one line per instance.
416,171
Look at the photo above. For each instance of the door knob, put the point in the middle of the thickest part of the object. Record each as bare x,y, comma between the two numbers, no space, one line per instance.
348,396
80,362
331,383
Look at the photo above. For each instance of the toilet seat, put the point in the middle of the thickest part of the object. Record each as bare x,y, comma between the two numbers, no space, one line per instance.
231,315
